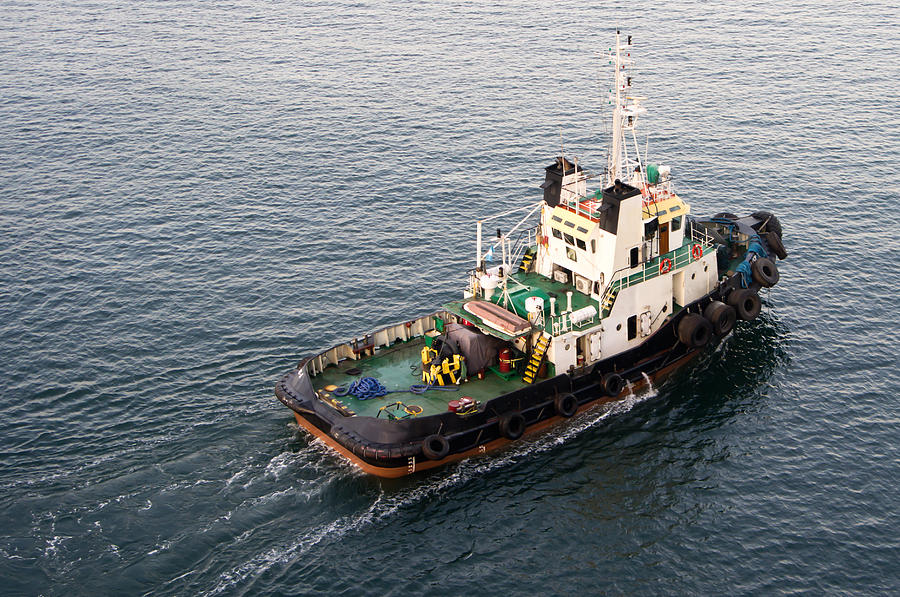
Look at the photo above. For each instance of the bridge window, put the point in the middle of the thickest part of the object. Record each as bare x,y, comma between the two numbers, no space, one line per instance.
556,233
676,224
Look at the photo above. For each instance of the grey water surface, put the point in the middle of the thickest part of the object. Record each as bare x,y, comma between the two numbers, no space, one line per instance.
194,195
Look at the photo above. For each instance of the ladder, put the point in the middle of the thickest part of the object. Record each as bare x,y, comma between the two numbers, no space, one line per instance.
526,262
608,300
537,356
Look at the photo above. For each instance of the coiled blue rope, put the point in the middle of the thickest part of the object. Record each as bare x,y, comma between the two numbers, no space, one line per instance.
364,388
367,388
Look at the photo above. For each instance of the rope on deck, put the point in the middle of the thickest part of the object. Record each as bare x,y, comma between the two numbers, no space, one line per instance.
367,388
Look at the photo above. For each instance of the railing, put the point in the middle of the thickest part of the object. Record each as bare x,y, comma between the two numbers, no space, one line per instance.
525,239
563,323
679,258
699,234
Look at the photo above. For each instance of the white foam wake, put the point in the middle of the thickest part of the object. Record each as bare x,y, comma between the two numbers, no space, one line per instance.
385,505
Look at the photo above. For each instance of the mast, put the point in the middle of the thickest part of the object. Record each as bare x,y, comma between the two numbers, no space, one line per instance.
614,163
626,109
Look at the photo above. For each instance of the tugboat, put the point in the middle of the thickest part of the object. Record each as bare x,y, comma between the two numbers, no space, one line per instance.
609,289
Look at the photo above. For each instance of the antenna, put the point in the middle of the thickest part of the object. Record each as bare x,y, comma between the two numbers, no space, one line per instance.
562,151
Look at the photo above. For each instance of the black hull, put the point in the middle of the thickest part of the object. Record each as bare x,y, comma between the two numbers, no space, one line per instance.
386,444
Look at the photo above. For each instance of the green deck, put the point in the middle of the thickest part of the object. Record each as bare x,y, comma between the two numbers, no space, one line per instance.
393,367
522,285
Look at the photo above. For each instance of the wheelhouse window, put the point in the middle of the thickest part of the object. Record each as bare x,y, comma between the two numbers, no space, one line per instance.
676,224
556,233
635,256
581,244
570,240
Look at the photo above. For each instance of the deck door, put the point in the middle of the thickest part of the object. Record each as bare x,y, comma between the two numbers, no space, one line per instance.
663,238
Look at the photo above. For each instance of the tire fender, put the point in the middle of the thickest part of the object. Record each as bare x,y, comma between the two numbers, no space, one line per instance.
512,425
721,316
746,303
694,330
613,384
765,272
776,245
435,447
566,405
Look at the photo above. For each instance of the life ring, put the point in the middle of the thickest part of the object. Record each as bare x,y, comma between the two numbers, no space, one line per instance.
696,251
435,447
665,265
566,405
512,425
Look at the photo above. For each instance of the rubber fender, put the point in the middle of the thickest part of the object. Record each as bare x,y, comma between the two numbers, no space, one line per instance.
746,303
721,317
512,425
435,447
776,245
613,384
765,272
694,330
566,405
769,222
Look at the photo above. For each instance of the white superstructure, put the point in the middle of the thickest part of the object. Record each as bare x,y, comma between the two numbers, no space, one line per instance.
620,251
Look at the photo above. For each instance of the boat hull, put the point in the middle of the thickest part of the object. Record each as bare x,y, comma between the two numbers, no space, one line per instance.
399,447
396,448
416,464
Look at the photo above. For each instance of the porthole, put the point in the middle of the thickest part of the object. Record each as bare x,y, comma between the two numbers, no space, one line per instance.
619,328
665,308
693,276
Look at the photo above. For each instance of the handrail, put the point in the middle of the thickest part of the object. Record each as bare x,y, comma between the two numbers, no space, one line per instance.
522,242
677,256
706,238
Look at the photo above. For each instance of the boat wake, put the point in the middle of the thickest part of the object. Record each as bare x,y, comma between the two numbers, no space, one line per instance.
386,504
